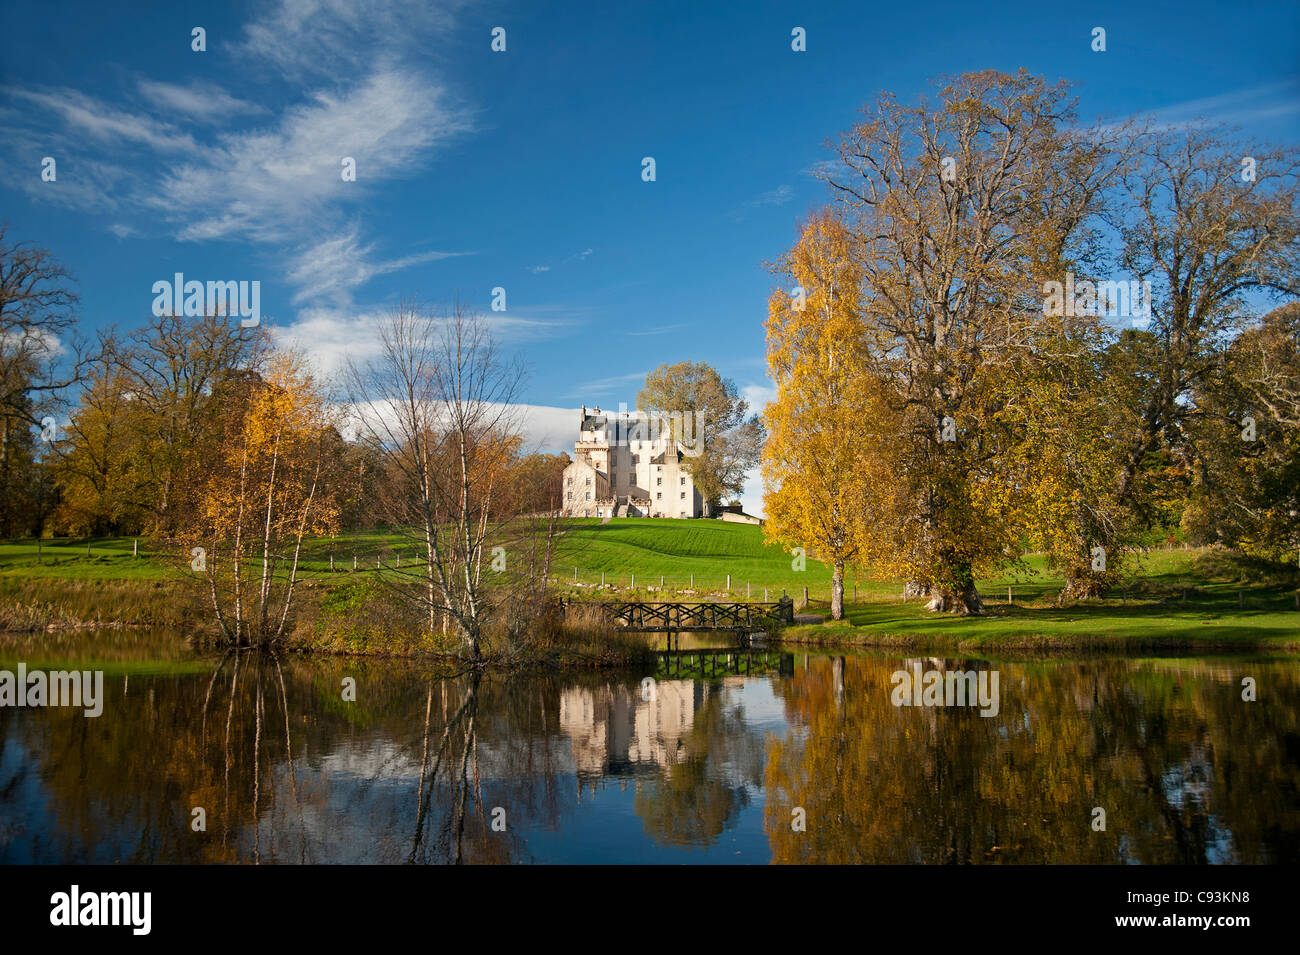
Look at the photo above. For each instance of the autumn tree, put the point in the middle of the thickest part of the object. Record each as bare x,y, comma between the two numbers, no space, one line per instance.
959,209
1245,443
726,439
1204,219
263,482
171,368
101,483
819,469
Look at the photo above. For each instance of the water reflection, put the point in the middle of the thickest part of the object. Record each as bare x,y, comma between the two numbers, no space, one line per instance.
471,768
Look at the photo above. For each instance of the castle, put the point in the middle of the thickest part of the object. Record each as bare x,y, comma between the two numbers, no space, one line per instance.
627,464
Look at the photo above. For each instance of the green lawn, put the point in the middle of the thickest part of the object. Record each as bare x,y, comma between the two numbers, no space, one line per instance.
1167,599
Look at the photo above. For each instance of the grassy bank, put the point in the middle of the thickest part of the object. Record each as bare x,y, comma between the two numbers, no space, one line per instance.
1174,599
350,615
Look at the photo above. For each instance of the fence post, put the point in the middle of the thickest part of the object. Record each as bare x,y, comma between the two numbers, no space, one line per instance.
135,547
1009,600
764,595
331,563
354,561
634,581
692,581
728,583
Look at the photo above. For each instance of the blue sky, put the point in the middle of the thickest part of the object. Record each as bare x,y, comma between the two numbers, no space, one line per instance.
522,169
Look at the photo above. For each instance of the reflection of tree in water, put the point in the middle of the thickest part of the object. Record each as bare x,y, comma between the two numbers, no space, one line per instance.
452,768
690,802
285,769
1185,770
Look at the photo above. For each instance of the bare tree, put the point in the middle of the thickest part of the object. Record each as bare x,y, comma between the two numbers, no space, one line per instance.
40,356
439,403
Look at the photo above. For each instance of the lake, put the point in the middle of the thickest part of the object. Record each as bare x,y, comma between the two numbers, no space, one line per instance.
758,757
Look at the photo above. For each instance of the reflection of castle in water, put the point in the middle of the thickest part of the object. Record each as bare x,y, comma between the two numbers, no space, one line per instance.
616,732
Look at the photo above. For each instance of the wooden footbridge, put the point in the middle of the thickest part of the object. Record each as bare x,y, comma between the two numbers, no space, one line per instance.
640,616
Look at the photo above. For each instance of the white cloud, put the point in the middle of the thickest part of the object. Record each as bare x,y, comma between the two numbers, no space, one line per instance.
94,118
548,429
329,335
758,395
751,495
537,269
262,185
199,100
329,37
334,267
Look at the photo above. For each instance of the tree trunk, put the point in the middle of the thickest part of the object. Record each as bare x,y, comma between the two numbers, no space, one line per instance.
965,600
837,591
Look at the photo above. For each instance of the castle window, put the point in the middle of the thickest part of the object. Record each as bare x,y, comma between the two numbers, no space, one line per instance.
683,495
589,495
589,483
660,496
659,481
683,482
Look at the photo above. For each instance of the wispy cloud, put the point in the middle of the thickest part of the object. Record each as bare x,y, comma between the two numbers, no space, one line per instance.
601,387
773,197
197,100
657,330
262,184
84,115
334,267
538,269
313,38
1236,107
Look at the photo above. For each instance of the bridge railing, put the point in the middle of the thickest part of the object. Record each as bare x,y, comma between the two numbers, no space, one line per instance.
694,615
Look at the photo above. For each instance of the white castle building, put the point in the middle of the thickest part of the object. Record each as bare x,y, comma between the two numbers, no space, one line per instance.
625,464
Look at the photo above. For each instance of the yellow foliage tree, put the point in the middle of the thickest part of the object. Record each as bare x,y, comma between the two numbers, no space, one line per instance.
817,463
264,485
